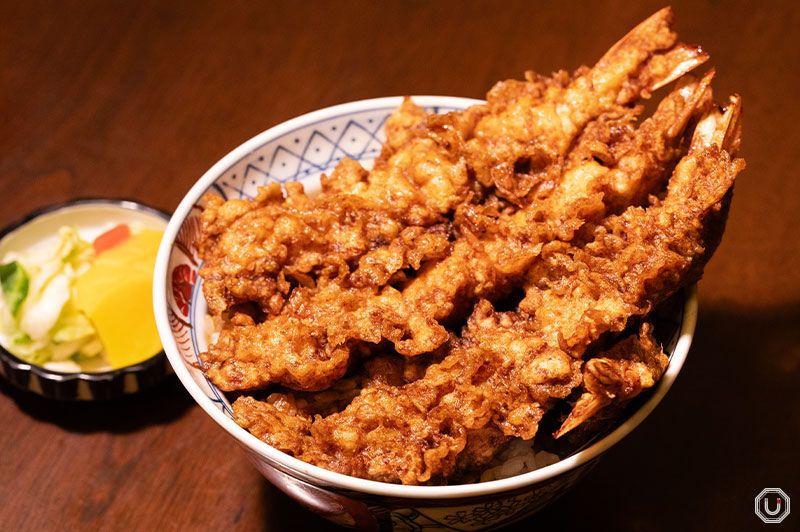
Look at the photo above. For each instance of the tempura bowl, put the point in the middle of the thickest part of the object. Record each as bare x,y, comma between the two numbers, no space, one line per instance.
301,150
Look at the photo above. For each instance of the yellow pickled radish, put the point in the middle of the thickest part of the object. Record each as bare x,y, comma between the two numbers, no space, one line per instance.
115,293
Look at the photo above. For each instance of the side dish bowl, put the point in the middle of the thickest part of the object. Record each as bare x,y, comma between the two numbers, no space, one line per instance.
90,217
301,150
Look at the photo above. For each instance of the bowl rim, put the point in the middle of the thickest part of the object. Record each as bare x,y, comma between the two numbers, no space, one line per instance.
68,376
338,480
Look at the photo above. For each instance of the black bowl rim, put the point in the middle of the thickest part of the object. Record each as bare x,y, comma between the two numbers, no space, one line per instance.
62,377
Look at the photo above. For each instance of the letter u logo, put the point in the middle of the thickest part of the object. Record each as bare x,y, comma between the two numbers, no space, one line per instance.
772,512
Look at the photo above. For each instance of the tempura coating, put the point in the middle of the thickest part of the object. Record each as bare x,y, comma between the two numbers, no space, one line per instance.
617,376
255,250
531,125
420,174
597,163
642,256
508,368
610,167
415,433
554,199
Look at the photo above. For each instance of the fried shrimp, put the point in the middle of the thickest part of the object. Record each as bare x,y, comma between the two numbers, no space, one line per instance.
508,368
496,262
336,267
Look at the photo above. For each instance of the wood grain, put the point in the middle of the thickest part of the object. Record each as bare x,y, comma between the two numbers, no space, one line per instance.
138,99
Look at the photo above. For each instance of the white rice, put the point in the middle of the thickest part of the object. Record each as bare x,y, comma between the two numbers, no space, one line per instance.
519,457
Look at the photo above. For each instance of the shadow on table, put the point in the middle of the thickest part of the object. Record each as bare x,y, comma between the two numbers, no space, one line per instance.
281,512
728,428
161,404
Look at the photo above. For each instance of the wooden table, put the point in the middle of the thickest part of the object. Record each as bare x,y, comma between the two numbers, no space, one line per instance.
138,99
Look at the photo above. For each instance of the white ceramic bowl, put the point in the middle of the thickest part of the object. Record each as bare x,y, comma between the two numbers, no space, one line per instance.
300,150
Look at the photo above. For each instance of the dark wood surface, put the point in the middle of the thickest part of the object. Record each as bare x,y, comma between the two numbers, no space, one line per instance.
138,99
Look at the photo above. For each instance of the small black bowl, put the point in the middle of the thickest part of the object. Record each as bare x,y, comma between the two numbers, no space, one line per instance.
82,386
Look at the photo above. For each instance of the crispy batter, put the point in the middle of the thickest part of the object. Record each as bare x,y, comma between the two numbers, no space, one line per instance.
507,368
531,126
618,375
550,189
640,257
309,345
414,433
610,165
253,250
421,173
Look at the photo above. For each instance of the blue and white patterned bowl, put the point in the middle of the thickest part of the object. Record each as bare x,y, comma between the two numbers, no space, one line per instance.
301,150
